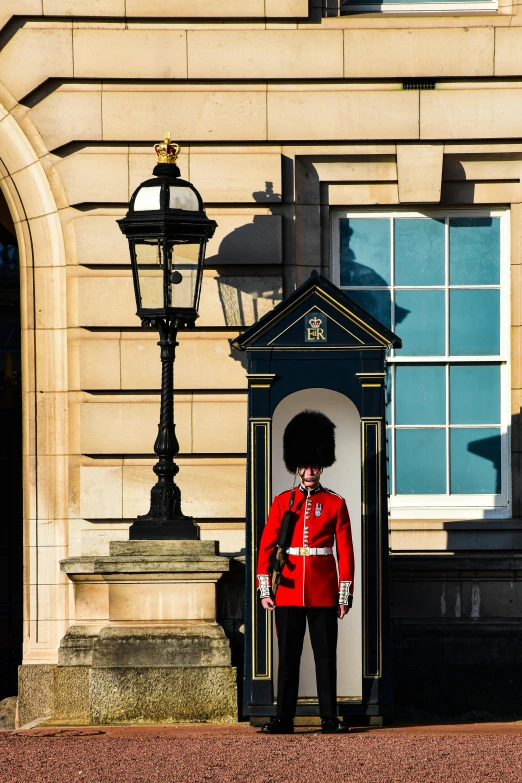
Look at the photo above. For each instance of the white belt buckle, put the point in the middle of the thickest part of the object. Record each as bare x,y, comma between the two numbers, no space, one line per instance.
304,550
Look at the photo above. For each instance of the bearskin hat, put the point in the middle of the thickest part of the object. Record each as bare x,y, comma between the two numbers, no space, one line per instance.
309,439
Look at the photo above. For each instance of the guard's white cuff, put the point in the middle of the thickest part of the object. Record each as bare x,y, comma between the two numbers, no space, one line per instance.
264,586
345,597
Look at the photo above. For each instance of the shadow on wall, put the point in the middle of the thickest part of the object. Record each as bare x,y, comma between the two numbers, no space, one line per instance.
456,189
355,273
254,242
249,282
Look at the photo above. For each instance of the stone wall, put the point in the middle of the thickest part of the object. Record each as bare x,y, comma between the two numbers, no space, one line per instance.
283,113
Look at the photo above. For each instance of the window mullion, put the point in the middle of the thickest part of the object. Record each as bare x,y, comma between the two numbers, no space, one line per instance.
447,350
446,285
448,430
392,431
392,369
392,277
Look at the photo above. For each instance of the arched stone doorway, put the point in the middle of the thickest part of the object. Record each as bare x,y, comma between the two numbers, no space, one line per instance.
29,207
11,513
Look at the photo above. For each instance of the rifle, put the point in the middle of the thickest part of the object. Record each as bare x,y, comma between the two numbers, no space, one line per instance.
279,556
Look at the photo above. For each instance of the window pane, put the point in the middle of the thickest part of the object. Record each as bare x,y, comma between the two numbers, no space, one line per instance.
347,6
420,394
148,199
474,322
419,251
183,198
474,251
420,461
475,394
150,273
377,303
475,460
419,322
184,275
365,251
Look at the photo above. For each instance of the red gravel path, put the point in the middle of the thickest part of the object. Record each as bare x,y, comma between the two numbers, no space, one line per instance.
221,754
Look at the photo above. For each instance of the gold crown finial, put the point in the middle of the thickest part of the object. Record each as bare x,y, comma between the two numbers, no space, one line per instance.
167,152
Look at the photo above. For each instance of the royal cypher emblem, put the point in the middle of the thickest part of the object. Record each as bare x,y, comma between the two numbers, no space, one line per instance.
315,328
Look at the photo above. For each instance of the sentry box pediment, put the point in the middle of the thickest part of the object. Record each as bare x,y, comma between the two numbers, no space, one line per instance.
319,349
318,315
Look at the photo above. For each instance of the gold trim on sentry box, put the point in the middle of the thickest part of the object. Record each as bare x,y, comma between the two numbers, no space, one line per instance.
315,347
341,309
256,425
313,700
303,315
365,426
331,301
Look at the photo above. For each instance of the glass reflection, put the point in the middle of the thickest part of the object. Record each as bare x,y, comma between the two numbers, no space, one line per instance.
419,251
365,246
474,248
150,274
183,275
474,322
475,461
420,461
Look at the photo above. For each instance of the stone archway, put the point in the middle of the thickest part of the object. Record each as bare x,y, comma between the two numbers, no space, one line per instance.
25,184
11,512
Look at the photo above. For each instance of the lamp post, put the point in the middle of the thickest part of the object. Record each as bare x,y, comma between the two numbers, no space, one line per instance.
167,230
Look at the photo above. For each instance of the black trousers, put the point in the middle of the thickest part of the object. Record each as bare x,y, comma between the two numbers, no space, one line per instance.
291,627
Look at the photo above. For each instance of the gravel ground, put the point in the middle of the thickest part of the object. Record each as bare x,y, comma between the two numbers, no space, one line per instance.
219,755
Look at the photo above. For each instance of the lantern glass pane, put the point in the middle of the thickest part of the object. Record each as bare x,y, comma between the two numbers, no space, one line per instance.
183,275
147,199
150,274
183,198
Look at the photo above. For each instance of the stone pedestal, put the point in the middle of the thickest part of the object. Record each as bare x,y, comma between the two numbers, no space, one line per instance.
145,646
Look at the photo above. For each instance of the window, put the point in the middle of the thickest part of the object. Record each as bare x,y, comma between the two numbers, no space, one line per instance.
407,6
440,281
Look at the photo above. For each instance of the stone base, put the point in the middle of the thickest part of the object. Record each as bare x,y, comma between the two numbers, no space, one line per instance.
148,648
163,695
8,713
77,645
198,645
50,691
80,694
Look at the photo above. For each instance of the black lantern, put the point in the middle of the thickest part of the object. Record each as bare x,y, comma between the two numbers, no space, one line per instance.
167,229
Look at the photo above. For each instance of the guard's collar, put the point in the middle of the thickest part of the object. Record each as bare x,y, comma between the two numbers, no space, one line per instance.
313,491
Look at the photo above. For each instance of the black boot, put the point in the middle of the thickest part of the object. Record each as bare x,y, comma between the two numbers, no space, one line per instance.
278,725
333,726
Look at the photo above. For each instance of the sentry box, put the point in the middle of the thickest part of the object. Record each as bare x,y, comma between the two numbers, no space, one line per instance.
318,349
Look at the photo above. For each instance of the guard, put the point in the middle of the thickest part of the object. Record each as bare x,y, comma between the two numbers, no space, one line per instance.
306,587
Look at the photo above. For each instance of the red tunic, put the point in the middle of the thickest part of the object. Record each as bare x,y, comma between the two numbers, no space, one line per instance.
310,580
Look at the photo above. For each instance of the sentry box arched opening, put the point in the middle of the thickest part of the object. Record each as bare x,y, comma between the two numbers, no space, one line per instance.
319,349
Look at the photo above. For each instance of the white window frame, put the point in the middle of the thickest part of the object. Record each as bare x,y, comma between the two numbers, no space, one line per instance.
483,506
418,8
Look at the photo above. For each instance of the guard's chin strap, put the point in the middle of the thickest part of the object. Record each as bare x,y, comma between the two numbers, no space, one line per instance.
292,496
301,474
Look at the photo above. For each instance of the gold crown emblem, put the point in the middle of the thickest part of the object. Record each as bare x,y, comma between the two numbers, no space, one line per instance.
167,152
315,322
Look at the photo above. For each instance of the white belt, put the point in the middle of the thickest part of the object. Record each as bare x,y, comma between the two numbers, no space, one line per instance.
310,550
